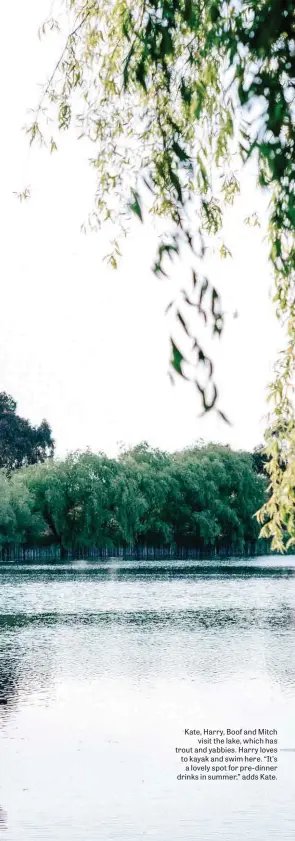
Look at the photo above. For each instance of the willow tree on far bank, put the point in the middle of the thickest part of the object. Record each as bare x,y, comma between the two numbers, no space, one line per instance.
203,498
169,91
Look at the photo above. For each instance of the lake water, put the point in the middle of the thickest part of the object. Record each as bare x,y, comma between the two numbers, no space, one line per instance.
102,666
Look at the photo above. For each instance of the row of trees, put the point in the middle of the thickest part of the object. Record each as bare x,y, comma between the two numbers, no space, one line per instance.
205,497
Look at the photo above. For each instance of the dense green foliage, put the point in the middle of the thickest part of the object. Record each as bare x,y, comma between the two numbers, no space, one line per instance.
172,93
20,442
204,497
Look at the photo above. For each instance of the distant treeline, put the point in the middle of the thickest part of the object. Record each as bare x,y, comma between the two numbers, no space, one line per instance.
202,499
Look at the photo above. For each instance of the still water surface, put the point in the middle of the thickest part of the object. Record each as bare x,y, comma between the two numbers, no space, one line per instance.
102,666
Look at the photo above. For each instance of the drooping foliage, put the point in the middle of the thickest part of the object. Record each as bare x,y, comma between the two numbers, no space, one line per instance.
203,498
172,93
20,442
85,500
20,520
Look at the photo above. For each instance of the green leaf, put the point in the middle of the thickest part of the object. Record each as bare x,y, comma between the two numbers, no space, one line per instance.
183,323
140,74
176,358
224,417
135,206
180,152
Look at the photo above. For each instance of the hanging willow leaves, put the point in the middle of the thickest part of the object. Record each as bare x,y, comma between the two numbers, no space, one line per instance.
170,92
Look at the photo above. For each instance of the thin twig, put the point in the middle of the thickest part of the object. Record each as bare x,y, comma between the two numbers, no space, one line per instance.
71,35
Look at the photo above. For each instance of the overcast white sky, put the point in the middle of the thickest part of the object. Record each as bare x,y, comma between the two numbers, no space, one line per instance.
88,348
